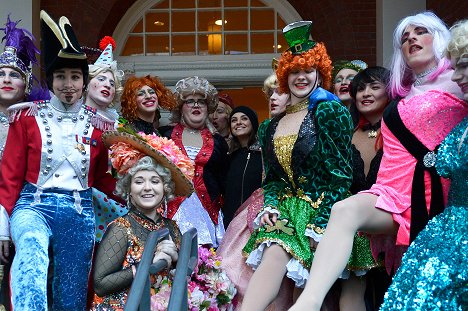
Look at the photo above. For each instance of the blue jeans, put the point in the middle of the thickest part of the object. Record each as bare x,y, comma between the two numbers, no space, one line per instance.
65,221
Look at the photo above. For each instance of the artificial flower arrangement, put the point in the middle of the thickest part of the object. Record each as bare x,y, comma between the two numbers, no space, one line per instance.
209,287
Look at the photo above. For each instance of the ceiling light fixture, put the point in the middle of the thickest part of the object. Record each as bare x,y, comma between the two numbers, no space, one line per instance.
220,22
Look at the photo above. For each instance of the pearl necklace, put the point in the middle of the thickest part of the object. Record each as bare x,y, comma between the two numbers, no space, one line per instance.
298,106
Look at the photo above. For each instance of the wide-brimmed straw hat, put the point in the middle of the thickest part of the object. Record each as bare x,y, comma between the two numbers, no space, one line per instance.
127,149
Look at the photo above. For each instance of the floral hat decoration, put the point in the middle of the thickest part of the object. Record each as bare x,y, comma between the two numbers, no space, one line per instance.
127,147
356,65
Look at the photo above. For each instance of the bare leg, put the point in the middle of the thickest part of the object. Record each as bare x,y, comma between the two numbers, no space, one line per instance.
352,294
347,217
266,280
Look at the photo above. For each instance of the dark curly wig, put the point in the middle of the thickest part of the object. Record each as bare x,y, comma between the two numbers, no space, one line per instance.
316,57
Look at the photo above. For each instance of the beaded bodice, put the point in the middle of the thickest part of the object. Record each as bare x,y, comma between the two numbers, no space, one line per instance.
283,150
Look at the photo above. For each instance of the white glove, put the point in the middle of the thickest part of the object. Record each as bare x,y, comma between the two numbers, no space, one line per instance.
166,250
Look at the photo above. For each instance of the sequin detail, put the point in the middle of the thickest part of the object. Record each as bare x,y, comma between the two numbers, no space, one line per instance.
434,270
283,149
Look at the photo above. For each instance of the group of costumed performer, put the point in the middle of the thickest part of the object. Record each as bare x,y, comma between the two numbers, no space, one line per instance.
53,156
408,191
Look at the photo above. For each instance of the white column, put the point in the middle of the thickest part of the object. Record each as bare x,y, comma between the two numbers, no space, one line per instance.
388,14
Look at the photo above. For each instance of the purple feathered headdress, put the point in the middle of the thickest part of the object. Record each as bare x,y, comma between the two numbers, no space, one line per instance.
20,51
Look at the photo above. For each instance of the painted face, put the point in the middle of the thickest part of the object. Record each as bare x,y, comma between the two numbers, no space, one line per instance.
147,101
12,86
195,111
277,102
416,45
301,83
220,117
240,125
460,75
371,99
342,83
101,89
146,190
68,85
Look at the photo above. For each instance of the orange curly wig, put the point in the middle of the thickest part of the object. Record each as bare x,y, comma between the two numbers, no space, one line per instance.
317,57
133,85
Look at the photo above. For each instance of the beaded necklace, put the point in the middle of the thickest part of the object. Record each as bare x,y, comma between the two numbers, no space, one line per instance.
297,107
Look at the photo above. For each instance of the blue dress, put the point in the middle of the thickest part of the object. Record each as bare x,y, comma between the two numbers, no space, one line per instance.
434,271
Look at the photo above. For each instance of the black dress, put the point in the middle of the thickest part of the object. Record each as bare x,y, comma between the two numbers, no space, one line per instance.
243,177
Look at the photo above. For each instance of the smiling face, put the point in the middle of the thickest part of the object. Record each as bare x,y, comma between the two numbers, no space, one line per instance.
68,85
460,75
342,83
195,111
416,45
101,90
277,102
147,103
301,83
241,127
371,100
12,86
146,190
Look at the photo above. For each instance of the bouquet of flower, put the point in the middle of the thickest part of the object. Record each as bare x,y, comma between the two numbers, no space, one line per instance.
209,288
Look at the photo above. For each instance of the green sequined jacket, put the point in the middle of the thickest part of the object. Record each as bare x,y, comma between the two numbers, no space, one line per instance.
321,161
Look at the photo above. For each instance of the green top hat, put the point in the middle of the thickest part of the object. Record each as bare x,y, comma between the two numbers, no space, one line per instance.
297,35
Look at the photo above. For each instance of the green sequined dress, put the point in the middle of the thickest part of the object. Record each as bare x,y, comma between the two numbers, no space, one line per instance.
305,175
434,271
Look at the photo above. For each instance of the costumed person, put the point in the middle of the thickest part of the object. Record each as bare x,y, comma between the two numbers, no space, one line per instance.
197,138
408,191
53,156
307,161
434,271
241,227
368,91
151,170
244,175
16,83
220,117
141,100
103,92
343,74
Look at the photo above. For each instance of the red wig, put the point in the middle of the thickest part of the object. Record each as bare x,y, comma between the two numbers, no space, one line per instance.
131,88
316,57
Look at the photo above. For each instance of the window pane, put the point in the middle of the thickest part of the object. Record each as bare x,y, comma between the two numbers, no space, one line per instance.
183,45
235,3
157,22
282,44
138,27
183,4
183,21
162,5
256,3
281,23
133,46
209,3
210,44
236,44
207,18
262,43
262,19
157,45
236,20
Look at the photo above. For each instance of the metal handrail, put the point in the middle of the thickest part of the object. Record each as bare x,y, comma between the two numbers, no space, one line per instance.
188,260
139,295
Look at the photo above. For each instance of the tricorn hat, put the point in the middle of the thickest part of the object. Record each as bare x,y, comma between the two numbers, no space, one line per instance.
60,46
298,36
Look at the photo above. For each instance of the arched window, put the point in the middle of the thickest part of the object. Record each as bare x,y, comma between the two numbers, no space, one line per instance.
230,42
196,27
